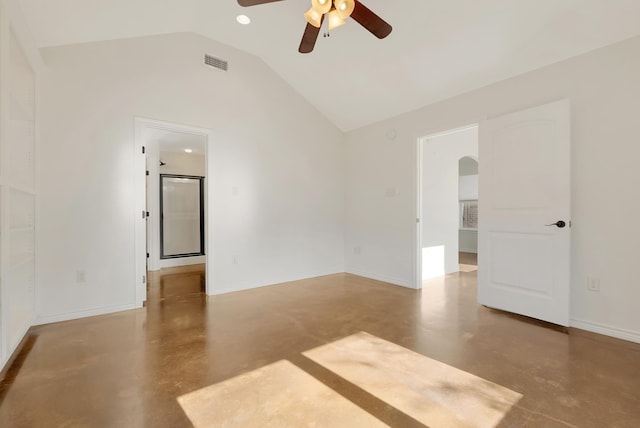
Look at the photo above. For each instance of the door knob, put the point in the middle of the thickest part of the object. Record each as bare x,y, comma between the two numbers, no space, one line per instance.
558,223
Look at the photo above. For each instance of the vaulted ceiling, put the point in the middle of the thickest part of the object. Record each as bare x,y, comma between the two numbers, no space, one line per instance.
438,48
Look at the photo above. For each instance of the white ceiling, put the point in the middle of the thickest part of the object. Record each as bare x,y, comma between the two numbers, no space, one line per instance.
177,142
438,48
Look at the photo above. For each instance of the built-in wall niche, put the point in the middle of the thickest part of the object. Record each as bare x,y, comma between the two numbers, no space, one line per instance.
468,195
20,130
22,103
18,193
20,275
22,212
469,215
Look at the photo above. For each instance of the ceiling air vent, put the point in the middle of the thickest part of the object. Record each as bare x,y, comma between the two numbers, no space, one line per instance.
216,62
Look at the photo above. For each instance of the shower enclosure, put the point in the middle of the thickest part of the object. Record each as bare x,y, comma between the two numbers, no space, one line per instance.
181,216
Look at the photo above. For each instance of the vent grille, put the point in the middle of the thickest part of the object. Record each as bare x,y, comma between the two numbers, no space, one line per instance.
216,62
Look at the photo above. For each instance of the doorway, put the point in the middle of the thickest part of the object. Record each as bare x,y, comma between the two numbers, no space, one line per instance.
182,152
176,198
444,202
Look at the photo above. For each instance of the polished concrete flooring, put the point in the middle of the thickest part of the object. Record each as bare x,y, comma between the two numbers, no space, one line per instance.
468,262
468,258
139,368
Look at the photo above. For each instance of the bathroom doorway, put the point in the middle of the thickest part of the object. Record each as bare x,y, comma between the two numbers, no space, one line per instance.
181,154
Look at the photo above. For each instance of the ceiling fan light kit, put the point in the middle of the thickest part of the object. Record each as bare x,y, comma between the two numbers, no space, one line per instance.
321,6
313,17
337,11
344,7
335,19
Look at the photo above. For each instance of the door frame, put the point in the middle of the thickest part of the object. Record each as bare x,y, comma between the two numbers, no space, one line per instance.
417,238
140,196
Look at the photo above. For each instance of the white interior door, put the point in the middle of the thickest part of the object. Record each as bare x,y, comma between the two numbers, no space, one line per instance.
524,186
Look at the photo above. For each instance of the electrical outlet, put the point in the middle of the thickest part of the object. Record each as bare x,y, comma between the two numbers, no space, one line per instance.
391,192
593,284
357,251
235,260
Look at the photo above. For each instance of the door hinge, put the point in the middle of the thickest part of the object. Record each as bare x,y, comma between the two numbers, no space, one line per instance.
145,214
147,255
147,172
143,150
144,279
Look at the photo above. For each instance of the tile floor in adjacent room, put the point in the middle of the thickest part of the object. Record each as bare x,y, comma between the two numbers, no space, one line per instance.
311,344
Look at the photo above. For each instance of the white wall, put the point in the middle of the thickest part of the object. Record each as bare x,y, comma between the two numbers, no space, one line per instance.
278,168
604,90
468,166
182,163
468,187
468,241
440,201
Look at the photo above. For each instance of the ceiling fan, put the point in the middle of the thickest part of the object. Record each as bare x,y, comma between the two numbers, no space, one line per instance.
337,11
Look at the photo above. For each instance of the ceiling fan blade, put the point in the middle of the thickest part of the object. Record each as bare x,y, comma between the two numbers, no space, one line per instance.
309,37
372,22
245,3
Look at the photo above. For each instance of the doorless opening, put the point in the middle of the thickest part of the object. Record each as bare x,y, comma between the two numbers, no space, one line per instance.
439,201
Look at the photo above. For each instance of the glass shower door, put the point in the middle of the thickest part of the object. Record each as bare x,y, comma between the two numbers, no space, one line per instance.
181,216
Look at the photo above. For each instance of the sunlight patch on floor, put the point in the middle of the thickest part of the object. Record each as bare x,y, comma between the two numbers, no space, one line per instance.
429,391
277,395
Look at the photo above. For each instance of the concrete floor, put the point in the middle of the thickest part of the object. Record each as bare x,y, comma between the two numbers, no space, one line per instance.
468,258
128,369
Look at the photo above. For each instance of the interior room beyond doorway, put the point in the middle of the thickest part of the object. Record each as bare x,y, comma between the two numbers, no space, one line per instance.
468,226
448,201
175,198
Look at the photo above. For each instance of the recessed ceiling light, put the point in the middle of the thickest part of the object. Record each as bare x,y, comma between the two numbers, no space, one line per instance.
188,150
243,19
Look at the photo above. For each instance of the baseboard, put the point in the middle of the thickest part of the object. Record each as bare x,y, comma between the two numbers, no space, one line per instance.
48,319
14,350
631,336
274,281
465,250
383,278
181,261
176,270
